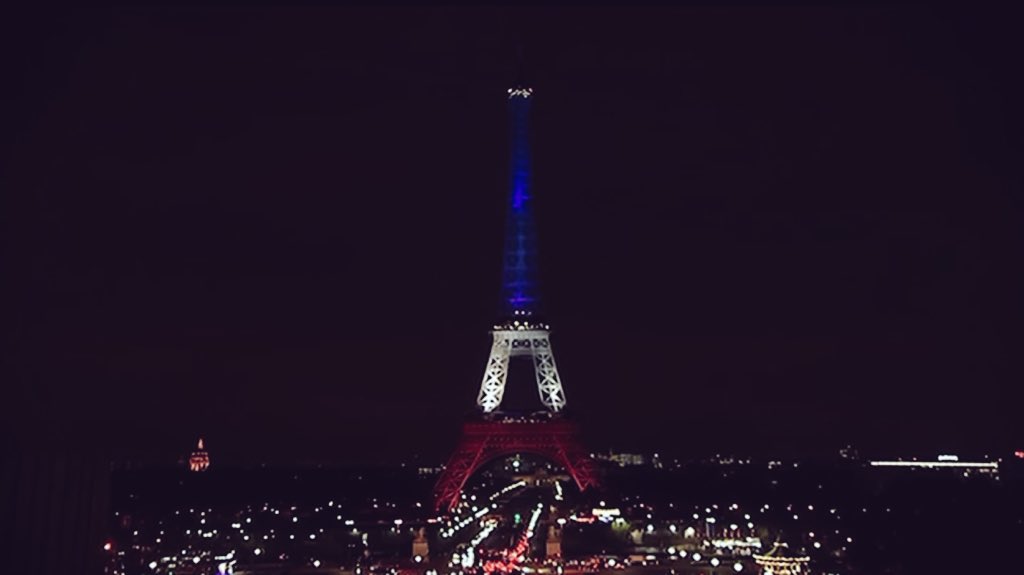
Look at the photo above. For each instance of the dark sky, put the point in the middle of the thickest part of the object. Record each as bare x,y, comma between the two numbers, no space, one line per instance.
769,231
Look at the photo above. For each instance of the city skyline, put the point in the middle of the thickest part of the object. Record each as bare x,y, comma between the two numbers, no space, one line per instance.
282,233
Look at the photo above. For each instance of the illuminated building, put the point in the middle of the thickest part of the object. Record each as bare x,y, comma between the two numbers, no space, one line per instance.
781,561
553,544
519,332
623,459
200,459
420,545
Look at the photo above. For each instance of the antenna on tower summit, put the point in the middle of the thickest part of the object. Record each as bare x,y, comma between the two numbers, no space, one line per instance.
520,73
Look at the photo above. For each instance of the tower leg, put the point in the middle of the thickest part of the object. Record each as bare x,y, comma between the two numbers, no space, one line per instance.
549,386
579,464
460,466
493,386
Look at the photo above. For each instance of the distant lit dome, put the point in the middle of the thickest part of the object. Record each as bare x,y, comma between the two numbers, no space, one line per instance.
200,459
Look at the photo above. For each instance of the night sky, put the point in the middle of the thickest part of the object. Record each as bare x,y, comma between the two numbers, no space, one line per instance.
762,231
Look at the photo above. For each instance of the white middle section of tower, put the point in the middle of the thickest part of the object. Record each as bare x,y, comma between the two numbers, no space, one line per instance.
509,343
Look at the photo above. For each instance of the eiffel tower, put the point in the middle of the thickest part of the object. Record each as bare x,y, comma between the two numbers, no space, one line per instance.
519,332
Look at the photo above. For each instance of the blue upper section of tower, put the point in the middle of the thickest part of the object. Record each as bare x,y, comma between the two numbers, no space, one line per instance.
520,294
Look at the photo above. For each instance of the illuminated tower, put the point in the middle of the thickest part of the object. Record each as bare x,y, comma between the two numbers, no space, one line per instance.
519,331
200,459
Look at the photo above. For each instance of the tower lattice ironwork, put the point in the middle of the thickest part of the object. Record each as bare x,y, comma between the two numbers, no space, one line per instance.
519,332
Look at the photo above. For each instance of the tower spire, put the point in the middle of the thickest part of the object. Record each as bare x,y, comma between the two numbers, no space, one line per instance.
520,67
520,295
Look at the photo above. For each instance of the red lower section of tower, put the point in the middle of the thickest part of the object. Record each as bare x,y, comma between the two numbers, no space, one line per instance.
555,440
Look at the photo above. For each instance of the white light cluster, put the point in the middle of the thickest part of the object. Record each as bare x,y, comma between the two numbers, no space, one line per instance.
464,522
937,464
506,489
753,542
522,92
484,533
533,520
